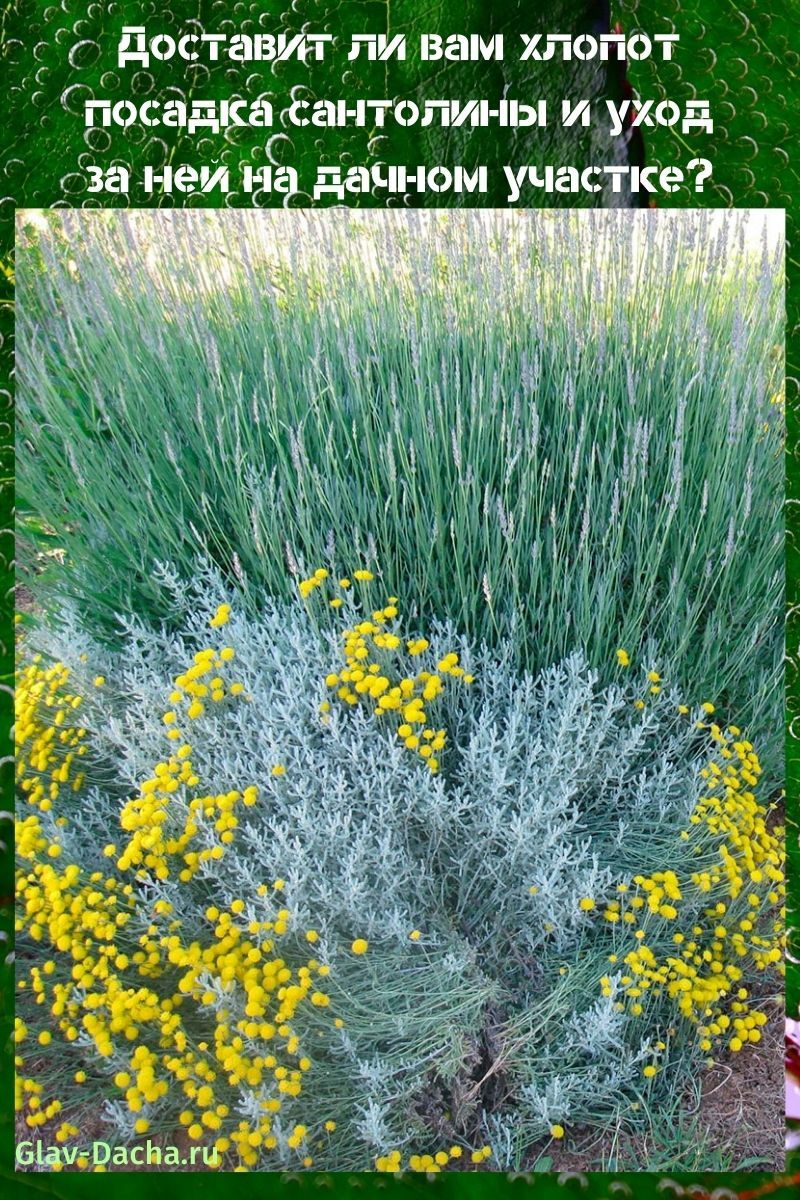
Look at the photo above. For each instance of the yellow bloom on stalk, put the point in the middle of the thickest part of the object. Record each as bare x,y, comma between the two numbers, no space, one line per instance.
80,919
360,946
742,863
623,658
390,1162
372,676
221,616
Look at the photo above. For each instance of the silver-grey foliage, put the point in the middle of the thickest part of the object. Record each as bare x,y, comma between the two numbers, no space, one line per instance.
553,789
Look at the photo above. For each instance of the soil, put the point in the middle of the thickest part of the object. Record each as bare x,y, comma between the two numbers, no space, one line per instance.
741,1112
742,1103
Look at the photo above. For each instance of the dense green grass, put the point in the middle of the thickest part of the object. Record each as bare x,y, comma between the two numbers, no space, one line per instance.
555,426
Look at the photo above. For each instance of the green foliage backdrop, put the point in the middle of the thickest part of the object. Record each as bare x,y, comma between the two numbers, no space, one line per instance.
737,53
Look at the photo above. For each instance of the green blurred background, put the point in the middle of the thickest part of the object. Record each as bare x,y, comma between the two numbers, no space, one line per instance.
741,55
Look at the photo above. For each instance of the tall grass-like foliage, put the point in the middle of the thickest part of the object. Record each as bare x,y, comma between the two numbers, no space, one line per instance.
562,430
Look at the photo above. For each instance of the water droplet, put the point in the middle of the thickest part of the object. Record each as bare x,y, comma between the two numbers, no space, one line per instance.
135,134
73,183
142,83
279,149
75,97
576,1178
197,74
98,140
297,200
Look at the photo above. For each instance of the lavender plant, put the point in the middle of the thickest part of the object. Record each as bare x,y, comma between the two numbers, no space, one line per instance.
555,430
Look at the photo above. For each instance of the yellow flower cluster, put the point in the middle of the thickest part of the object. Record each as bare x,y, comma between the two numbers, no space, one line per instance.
431,1164
316,580
161,829
654,684
202,682
221,616
187,1021
48,742
307,586
372,675
155,1000
736,892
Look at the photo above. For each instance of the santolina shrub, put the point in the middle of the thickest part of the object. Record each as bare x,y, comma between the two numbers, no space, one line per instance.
252,908
558,431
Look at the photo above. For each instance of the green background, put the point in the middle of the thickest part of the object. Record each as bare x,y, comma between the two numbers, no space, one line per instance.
740,55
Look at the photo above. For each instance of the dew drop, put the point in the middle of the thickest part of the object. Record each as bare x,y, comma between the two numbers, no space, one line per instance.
73,98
